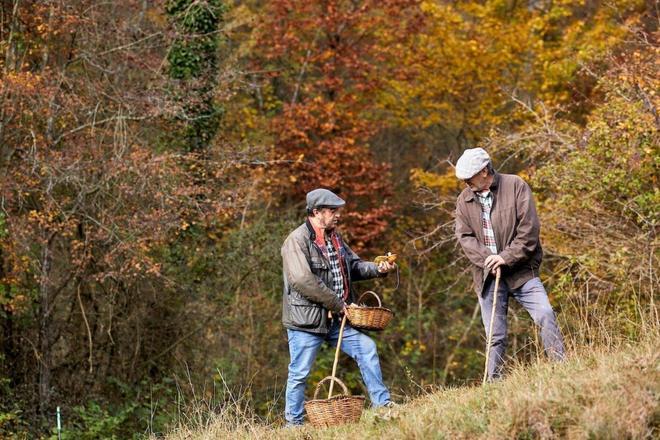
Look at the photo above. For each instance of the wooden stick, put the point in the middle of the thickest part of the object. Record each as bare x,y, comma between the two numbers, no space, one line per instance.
334,366
490,327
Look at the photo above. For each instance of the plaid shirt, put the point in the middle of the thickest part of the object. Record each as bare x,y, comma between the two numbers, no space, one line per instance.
486,202
335,268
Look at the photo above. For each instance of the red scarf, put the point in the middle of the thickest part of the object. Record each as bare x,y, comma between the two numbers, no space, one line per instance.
336,242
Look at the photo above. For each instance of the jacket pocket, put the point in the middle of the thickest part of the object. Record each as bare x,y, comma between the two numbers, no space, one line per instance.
317,265
321,269
303,312
306,315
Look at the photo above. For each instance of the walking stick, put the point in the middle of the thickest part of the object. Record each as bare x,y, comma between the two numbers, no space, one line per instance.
334,366
490,327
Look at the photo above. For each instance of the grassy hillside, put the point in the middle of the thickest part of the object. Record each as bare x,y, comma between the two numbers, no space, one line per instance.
597,394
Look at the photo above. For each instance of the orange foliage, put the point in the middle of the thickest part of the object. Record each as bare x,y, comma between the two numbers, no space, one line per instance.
330,63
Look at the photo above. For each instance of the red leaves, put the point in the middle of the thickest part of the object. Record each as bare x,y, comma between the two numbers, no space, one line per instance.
333,66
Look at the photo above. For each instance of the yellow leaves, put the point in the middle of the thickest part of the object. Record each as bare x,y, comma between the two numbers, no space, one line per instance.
428,6
413,346
470,55
462,61
16,304
238,17
24,82
473,46
524,175
442,14
249,116
444,184
576,41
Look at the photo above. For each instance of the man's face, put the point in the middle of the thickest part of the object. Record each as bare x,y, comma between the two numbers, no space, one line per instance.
328,217
479,182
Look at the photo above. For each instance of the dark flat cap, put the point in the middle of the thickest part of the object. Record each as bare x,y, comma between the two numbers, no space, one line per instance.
323,198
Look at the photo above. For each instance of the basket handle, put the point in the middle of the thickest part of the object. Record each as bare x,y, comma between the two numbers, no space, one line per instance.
373,294
336,379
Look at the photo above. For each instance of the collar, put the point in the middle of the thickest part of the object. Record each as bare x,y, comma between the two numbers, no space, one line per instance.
471,195
315,234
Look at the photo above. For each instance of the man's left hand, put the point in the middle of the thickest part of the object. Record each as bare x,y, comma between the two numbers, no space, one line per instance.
492,262
385,267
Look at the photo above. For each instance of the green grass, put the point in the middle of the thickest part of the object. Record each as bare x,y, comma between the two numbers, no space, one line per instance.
595,394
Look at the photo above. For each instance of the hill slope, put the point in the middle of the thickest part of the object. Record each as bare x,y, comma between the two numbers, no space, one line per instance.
600,394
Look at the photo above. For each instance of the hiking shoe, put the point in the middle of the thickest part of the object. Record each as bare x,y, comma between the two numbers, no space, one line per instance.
388,411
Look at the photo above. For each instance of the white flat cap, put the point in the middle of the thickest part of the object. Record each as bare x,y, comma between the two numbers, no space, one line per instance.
471,162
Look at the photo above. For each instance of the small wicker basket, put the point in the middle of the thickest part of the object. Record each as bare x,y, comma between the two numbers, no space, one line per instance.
369,318
335,410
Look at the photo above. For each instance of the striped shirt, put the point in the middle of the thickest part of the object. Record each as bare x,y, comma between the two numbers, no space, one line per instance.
486,201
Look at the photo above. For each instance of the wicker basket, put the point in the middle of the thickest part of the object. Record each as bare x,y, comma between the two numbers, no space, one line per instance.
369,318
336,410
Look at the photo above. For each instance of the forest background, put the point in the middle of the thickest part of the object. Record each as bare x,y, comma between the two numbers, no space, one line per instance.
155,154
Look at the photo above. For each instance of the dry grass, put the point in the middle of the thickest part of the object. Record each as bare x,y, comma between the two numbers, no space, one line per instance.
598,393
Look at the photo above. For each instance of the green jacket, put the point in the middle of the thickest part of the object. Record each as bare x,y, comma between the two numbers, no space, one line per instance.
308,294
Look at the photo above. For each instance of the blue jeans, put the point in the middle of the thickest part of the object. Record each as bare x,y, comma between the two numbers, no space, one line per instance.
304,346
533,297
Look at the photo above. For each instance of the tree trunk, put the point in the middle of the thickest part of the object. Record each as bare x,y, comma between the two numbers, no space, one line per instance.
45,361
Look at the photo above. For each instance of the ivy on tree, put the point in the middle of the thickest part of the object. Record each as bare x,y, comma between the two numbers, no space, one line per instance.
193,60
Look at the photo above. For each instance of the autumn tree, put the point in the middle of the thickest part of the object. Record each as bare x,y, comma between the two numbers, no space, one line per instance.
598,196
328,64
89,203
476,65
154,155
573,140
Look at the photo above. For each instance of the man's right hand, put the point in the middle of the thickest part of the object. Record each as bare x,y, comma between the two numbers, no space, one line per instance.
386,266
492,262
342,312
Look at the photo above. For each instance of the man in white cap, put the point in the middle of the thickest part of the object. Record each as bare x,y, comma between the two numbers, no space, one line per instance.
319,269
497,227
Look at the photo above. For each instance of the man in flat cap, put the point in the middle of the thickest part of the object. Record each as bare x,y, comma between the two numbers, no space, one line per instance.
319,269
498,229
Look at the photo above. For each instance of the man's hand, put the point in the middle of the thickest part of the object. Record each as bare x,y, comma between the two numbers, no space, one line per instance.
342,312
385,267
492,262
